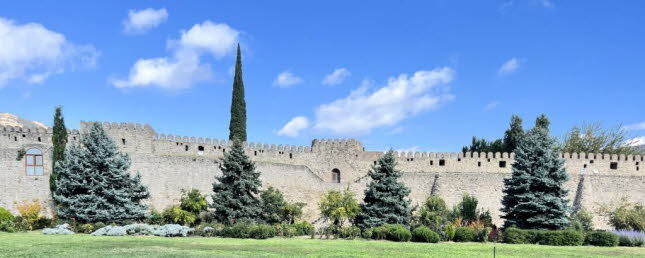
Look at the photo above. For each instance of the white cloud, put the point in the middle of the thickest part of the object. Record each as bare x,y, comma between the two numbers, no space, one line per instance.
509,67
33,53
410,149
216,38
403,96
491,105
185,67
336,77
638,141
637,126
293,127
140,21
286,79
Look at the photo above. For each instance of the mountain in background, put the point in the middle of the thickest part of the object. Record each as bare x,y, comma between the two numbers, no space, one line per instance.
8,119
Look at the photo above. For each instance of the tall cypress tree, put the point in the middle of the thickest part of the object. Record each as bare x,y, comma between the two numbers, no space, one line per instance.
94,184
237,127
385,199
236,191
534,196
514,134
59,141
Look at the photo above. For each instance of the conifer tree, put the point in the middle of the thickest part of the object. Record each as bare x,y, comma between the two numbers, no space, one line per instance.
237,126
236,191
514,134
543,122
385,199
94,184
59,141
534,196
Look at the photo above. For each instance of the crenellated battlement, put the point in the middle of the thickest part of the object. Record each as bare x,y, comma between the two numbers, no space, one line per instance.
170,163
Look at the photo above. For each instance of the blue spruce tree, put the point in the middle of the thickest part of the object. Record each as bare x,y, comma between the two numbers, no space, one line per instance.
94,185
236,192
534,196
385,199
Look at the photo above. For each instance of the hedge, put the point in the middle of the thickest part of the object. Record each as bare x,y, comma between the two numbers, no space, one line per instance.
543,237
601,238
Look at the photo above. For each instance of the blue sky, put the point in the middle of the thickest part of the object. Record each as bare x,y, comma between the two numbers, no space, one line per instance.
424,75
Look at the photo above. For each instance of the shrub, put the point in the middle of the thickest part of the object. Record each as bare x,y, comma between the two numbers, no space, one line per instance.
543,237
172,230
465,234
560,237
238,230
5,215
367,233
8,226
155,218
261,231
209,230
98,225
175,214
30,212
304,228
64,229
85,229
381,232
110,231
424,234
630,238
482,235
168,230
399,233
42,222
350,232
518,236
582,220
193,201
286,230
628,216
601,238
449,232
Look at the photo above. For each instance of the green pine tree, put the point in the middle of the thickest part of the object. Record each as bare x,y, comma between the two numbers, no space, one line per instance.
514,134
385,199
534,196
59,141
543,122
94,184
237,126
236,191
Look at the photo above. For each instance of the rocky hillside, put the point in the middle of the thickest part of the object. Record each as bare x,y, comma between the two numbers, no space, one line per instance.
8,119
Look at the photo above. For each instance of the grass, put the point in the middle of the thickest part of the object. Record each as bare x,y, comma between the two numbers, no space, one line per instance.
35,244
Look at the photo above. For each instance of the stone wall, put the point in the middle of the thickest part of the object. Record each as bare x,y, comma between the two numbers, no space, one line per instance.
169,164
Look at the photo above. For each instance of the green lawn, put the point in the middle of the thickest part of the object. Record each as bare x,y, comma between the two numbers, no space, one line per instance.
34,244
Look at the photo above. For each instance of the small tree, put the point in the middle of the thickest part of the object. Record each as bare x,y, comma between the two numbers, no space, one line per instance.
236,191
434,213
534,196
193,201
514,134
339,207
273,205
594,138
94,184
386,199
59,141
292,212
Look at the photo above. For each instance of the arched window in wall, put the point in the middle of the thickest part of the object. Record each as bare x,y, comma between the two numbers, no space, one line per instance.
335,175
34,162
